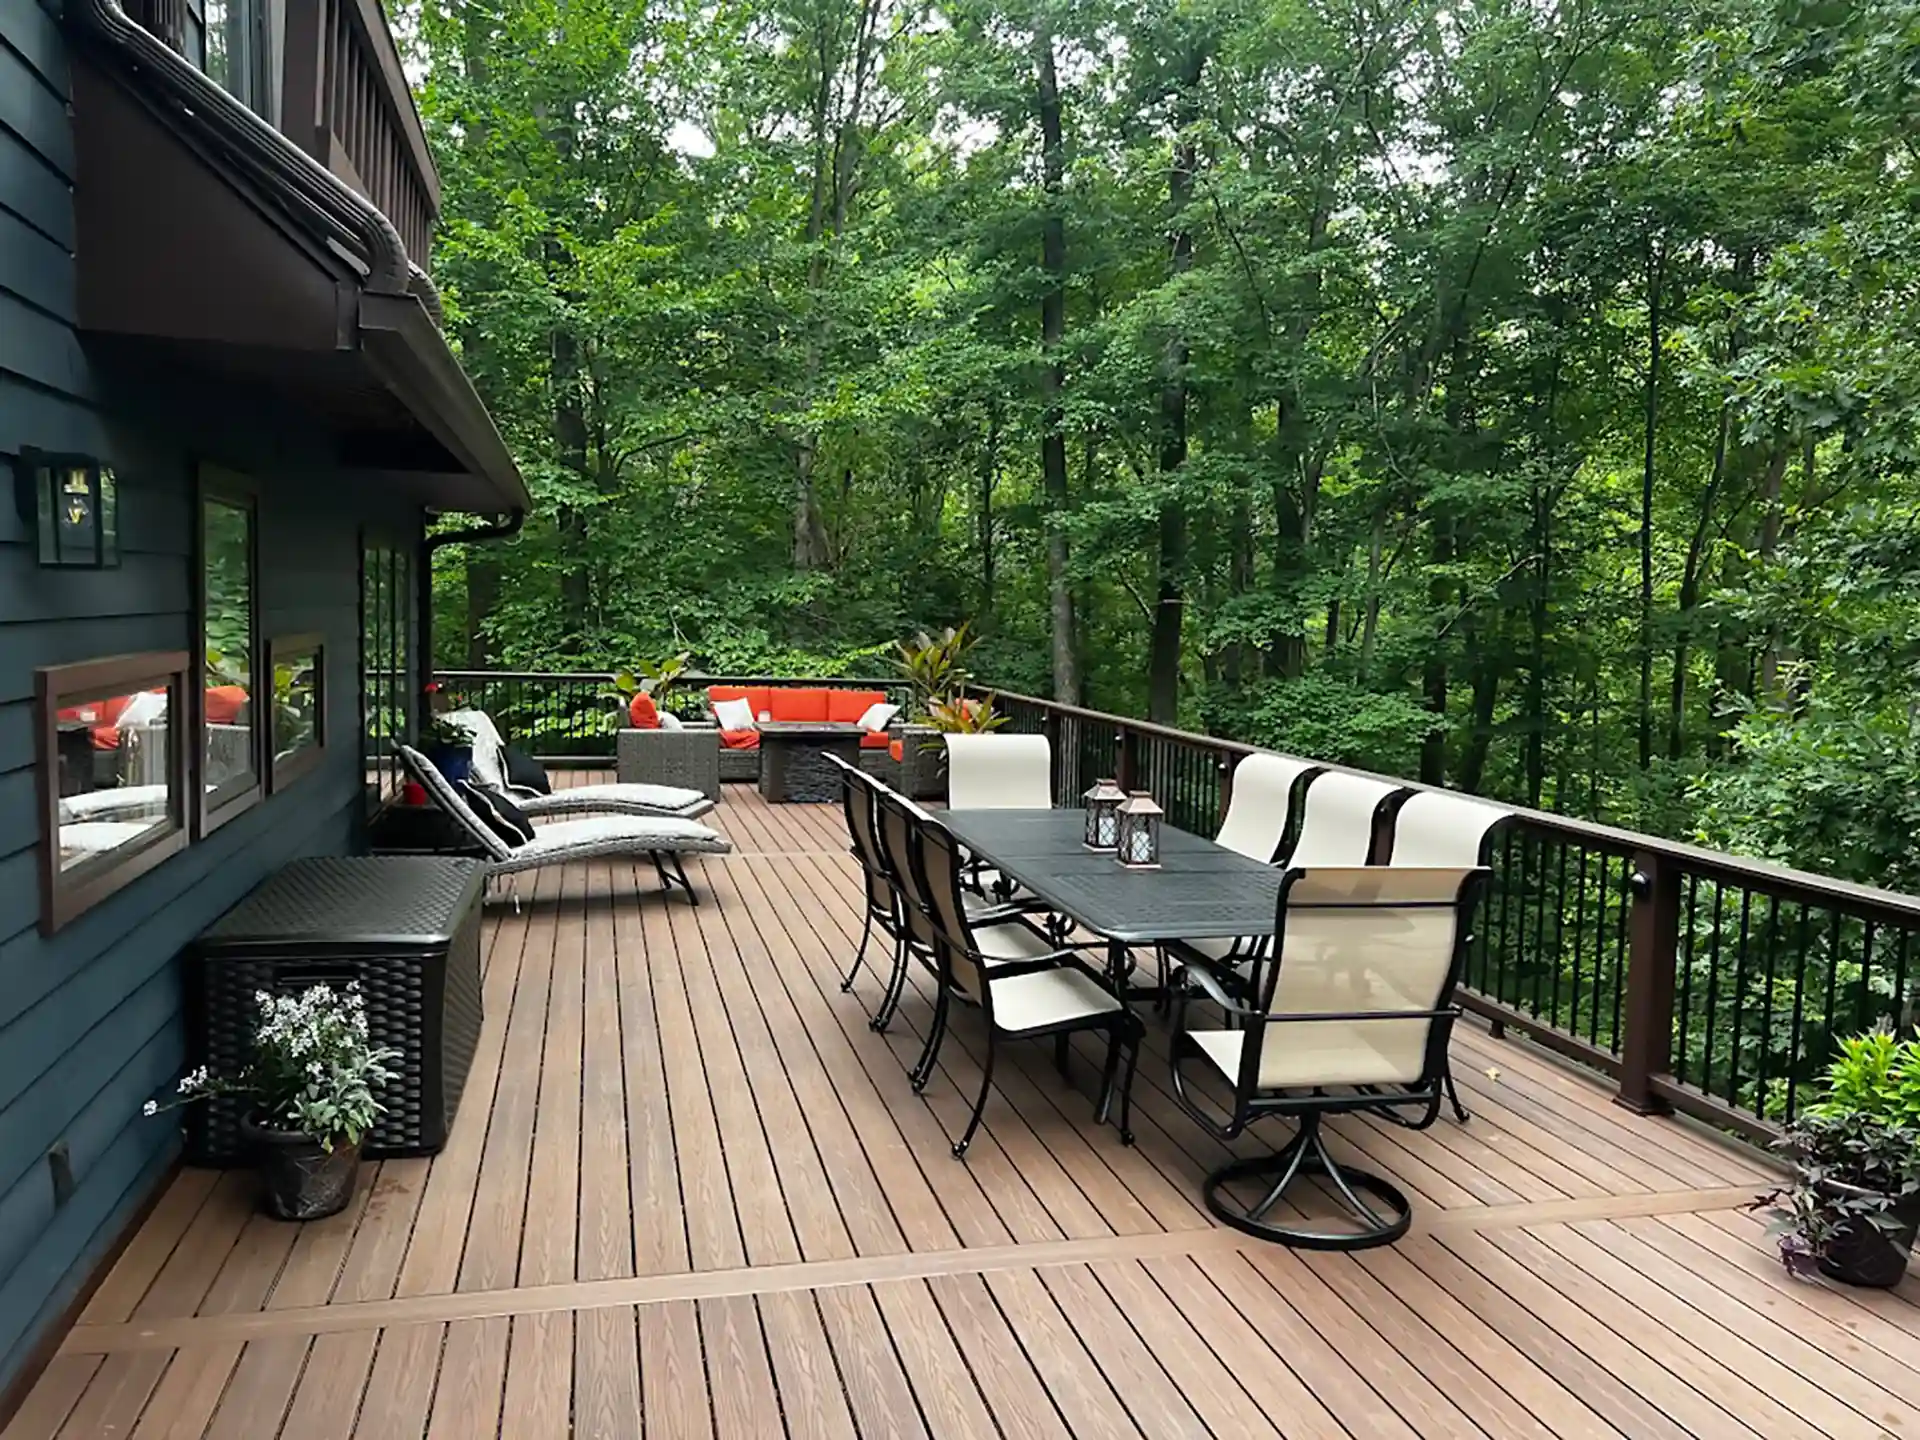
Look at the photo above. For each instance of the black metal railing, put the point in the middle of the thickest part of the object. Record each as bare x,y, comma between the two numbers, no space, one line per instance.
1702,982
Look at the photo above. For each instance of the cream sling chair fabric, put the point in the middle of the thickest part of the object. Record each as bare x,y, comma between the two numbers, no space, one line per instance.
1340,815
1352,1012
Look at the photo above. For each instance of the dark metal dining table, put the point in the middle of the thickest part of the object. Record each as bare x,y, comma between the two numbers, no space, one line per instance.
1199,891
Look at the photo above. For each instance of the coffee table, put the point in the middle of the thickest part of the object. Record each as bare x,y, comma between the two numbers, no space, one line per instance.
793,759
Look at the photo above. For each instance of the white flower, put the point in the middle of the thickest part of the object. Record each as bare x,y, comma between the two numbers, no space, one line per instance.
152,1107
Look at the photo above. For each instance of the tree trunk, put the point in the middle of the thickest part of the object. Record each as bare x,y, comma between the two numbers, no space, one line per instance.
1053,378
570,444
1772,692
483,594
1370,626
989,480
1656,264
1690,589
1433,749
1163,651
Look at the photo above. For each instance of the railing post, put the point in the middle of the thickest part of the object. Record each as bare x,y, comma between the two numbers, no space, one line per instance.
1129,776
1653,953
1224,762
1056,761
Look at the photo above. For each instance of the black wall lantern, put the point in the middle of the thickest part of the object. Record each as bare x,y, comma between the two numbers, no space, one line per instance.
70,504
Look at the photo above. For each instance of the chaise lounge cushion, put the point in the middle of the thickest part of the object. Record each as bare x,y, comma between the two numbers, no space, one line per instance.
497,812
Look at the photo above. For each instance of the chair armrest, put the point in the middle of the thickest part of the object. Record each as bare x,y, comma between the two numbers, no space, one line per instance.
1215,991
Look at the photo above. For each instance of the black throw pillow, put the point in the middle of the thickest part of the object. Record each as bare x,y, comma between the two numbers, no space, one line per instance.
498,814
524,771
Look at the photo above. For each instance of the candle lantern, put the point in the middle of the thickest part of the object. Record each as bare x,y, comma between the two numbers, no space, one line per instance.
1139,837
1103,815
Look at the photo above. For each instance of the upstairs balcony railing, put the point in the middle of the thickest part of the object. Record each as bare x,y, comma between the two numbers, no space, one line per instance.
345,101
1699,982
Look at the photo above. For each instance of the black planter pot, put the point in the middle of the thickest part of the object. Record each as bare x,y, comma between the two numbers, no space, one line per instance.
1863,1253
299,1178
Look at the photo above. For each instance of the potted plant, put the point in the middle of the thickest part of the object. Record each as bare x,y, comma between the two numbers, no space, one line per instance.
311,1093
1853,1208
656,678
448,746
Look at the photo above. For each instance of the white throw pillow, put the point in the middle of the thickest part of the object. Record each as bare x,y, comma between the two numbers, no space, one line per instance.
671,721
733,714
877,718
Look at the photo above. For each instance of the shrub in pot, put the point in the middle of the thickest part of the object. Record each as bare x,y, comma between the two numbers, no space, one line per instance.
1854,1206
449,746
313,1085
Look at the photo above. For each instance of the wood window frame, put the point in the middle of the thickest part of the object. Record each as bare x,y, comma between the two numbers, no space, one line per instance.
226,487
399,556
282,773
57,686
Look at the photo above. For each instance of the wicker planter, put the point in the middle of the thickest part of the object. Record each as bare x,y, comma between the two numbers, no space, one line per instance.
923,763
690,758
300,1179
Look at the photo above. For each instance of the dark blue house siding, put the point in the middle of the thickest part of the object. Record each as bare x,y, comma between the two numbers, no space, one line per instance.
90,1018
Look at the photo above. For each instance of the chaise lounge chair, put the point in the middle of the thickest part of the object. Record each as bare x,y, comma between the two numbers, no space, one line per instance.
627,798
663,839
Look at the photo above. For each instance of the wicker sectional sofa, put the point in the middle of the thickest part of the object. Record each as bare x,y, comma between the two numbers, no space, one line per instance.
735,755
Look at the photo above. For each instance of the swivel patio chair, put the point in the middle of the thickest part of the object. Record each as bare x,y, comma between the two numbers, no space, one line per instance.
663,839
629,798
1353,1012
1038,993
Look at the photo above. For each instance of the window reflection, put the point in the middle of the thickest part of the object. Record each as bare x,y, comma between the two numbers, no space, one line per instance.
227,757
299,705
112,746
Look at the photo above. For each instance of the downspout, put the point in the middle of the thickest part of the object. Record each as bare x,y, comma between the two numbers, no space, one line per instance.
255,146
501,530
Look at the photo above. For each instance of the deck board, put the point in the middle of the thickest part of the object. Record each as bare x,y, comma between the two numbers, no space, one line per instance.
690,1194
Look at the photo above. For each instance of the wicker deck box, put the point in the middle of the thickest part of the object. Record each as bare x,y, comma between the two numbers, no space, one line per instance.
406,927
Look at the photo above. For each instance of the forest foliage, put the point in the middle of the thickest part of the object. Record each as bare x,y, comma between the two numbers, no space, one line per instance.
1516,394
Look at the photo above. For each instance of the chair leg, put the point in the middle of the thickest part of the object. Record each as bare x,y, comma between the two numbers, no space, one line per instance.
660,869
1063,1053
1108,1073
1460,1112
922,1071
680,871
1136,1039
860,955
896,982
980,1105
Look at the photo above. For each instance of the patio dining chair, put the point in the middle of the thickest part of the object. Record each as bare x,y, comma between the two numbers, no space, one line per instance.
1353,1011
662,839
1261,803
1035,993
999,772
1439,827
1340,815
897,823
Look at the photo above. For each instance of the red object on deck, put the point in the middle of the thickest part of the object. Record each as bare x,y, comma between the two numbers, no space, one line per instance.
413,793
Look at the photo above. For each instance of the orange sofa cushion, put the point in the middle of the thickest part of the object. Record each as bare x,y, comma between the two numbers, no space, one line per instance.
756,696
739,739
224,703
791,704
876,740
644,713
849,705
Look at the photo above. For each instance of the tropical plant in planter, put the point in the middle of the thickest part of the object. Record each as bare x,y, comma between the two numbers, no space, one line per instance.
448,745
1854,1206
658,678
313,1091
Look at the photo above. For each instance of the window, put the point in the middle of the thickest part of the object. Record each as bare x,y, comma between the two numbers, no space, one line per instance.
229,647
113,775
386,688
299,726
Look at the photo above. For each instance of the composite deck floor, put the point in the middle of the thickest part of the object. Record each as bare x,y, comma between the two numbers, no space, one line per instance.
690,1194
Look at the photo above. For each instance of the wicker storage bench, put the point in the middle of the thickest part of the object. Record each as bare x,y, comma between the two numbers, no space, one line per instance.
406,927
690,757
